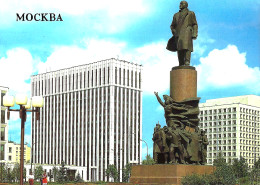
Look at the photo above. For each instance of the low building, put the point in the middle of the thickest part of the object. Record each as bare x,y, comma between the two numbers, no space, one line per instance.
233,127
3,126
13,153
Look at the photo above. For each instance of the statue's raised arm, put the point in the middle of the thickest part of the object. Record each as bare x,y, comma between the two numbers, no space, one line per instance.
159,99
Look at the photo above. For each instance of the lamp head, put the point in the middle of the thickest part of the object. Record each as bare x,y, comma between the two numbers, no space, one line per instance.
28,105
8,101
37,101
21,99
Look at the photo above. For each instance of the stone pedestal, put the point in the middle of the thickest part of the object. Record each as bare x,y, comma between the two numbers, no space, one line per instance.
165,173
183,83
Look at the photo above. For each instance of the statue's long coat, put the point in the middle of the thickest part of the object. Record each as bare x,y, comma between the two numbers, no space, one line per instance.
185,27
159,139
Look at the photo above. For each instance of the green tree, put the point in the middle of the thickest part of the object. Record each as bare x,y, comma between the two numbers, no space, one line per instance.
55,171
62,175
240,167
224,173
9,175
2,172
16,172
5,173
193,179
111,171
126,172
255,173
38,173
148,161
257,163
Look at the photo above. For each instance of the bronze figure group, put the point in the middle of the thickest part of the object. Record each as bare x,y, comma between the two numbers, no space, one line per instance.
181,141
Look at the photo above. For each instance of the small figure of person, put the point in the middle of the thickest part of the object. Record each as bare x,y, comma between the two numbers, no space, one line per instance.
175,146
41,181
204,144
31,178
44,178
168,108
160,146
194,147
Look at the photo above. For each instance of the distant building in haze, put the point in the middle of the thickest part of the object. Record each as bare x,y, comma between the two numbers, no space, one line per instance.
233,127
92,117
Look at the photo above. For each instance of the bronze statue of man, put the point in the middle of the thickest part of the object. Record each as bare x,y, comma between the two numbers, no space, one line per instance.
184,29
175,147
204,144
160,145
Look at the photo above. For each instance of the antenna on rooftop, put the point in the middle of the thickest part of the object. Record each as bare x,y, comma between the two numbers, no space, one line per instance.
10,136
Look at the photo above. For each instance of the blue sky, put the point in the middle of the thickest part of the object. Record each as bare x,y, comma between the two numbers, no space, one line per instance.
226,53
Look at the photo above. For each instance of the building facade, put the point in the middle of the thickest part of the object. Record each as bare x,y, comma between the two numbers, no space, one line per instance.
13,153
92,117
233,128
3,126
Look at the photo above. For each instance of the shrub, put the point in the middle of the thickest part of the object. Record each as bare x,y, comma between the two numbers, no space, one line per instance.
193,179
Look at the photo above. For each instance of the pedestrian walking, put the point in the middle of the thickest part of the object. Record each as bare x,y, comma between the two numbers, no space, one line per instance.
44,179
31,178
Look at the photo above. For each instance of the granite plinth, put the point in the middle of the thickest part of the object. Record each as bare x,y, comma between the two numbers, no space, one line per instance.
166,173
183,83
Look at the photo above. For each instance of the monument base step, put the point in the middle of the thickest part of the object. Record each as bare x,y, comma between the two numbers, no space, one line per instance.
166,173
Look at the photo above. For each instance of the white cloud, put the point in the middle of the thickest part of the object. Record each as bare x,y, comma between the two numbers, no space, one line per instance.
18,65
202,42
157,61
15,69
68,56
14,123
27,139
225,68
221,68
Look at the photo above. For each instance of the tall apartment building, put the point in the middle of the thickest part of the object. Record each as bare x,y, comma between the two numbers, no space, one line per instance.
3,125
92,117
13,153
233,127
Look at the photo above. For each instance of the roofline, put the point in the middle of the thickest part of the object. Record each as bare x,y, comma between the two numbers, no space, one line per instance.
4,87
88,64
201,105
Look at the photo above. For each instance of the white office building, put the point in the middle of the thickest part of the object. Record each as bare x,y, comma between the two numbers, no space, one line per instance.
233,127
3,126
92,117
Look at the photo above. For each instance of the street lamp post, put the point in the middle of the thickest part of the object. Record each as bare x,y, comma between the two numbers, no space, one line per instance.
32,155
146,145
147,149
25,105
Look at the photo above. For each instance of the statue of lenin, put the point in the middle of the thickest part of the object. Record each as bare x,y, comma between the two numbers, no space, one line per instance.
184,28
